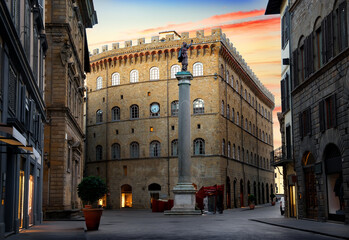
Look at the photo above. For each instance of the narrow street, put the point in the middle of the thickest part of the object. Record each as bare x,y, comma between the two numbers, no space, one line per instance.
143,224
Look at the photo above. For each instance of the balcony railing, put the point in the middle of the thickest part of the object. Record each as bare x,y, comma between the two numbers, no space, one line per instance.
281,156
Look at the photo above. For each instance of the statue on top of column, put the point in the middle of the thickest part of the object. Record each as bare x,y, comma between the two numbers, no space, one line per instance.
183,55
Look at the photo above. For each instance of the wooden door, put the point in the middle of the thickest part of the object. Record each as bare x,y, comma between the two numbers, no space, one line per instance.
310,193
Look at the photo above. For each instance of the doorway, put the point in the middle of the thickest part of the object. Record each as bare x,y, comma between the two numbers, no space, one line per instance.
228,195
126,196
334,182
311,204
241,193
154,190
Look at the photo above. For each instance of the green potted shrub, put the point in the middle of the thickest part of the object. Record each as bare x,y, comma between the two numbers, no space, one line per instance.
251,201
272,197
89,191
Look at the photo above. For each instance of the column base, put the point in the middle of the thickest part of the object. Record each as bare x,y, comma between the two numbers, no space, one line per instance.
184,200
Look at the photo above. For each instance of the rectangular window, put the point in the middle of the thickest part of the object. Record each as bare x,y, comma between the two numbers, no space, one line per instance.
327,113
12,90
343,29
125,170
305,123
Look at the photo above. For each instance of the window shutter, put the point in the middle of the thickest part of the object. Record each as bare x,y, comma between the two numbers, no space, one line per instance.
334,110
295,68
23,103
300,125
311,54
31,111
343,25
309,121
322,115
324,34
283,101
287,92
329,37
306,56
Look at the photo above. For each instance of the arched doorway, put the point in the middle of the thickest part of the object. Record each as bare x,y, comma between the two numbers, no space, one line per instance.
255,189
126,196
241,193
310,195
263,196
259,193
267,189
334,181
234,189
228,194
154,190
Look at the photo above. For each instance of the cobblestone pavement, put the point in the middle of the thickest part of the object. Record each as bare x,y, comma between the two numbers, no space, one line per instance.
143,224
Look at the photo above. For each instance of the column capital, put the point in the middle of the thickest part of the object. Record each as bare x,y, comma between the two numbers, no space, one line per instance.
184,77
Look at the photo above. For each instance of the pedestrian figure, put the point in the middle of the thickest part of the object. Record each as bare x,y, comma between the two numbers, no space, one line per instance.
183,55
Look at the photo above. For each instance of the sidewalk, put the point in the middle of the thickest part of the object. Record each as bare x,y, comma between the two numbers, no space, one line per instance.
338,230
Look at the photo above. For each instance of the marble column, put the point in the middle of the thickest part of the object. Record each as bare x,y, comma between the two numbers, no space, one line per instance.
184,191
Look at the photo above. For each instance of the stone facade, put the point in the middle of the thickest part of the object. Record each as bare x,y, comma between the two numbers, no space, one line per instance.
66,64
22,112
234,154
320,108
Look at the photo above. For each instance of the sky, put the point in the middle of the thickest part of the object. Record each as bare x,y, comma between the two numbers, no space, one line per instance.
255,36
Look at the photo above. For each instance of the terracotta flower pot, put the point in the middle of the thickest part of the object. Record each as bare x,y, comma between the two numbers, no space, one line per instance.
92,217
251,206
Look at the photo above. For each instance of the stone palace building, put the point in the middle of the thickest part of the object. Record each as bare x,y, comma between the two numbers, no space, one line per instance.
132,106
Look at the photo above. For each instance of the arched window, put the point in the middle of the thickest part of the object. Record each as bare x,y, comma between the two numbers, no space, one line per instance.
250,127
238,153
115,151
134,150
99,116
199,146
233,115
237,118
229,149
198,106
115,114
174,70
228,111
174,147
243,154
134,111
263,136
154,73
247,156
252,101
237,86
245,94
246,128
232,81
223,147
262,111
251,158
134,76
222,71
115,79
227,76
198,69
155,149
99,153
174,108
234,151
99,83
222,108
249,98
